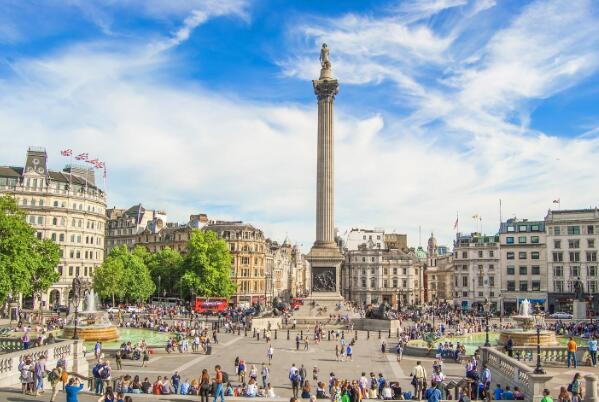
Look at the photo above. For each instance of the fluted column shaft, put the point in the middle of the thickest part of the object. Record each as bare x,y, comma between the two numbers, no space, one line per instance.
325,227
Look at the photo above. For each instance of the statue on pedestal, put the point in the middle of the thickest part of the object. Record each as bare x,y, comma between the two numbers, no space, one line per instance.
324,57
578,290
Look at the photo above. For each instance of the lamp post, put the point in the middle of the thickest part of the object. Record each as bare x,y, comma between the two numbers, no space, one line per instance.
487,310
538,369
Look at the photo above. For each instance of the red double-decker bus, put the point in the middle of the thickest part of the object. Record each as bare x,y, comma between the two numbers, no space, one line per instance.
296,302
210,305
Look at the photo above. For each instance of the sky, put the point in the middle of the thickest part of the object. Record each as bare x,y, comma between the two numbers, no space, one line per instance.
445,107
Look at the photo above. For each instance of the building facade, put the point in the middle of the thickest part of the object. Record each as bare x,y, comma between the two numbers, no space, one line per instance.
373,276
523,263
371,238
476,271
438,274
572,243
66,207
124,225
248,265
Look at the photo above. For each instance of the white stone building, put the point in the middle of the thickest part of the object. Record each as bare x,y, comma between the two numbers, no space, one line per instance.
572,244
66,207
523,263
476,270
370,238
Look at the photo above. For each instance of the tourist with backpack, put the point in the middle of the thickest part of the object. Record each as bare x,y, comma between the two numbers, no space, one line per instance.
55,376
575,388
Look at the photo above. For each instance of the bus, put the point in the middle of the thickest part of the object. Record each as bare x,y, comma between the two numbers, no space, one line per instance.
210,305
296,302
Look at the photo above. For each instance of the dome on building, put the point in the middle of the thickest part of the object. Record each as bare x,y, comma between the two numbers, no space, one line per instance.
420,253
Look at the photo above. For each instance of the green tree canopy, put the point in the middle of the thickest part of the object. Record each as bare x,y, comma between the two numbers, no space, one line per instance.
27,265
207,266
166,264
124,275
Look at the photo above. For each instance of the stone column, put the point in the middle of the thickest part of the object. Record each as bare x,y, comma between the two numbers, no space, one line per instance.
325,88
590,388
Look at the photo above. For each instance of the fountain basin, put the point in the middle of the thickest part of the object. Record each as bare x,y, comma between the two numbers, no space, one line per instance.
91,326
522,337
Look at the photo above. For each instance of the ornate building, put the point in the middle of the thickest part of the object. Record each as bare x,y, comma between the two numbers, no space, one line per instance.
248,265
66,207
373,276
438,274
156,236
124,225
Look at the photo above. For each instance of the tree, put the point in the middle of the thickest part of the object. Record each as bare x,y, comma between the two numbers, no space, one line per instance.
124,275
166,264
207,266
27,264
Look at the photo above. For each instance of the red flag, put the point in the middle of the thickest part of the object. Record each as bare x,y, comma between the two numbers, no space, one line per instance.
99,165
66,152
93,161
82,157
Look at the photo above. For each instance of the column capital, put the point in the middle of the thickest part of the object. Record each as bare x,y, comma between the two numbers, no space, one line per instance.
325,89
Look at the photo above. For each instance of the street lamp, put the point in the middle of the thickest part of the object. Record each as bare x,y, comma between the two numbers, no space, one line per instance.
538,369
487,310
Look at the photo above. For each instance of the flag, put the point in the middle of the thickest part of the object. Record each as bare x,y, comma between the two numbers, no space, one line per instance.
82,157
93,162
100,165
556,201
455,225
66,152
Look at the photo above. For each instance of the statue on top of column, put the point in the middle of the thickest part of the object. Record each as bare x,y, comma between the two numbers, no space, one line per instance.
324,57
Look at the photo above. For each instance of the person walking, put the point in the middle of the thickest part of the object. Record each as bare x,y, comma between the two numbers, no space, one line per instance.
39,372
572,348
204,386
265,373
145,357
592,346
297,342
269,354
54,377
218,380
418,380
98,350
575,388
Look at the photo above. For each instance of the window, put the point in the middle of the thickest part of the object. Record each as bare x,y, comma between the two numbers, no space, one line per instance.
573,243
591,243
535,270
511,270
575,271
245,260
70,271
61,237
491,267
522,255
481,280
573,230
491,281
557,230
534,239
574,256
510,255
535,228
394,283
491,253
511,228
480,254
522,228
558,271
464,281
591,256
509,240
557,244
59,270
523,286
593,271
394,271
558,286
511,286
363,282
592,286
385,284
534,255
464,254
53,236
535,286
590,229
558,256
372,283
523,270
521,239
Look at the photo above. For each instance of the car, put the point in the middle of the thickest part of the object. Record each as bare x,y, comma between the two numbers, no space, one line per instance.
60,308
133,309
113,309
561,316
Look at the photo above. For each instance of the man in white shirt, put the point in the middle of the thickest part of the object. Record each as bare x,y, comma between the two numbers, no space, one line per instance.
419,381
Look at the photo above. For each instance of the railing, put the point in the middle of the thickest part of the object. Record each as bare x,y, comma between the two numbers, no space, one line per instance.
509,371
10,344
550,355
68,350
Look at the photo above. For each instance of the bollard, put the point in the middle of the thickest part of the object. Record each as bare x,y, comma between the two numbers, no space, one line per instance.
389,332
254,333
590,388
368,334
356,335
287,334
275,334
379,334
239,332
258,335
264,333
245,332
329,335
302,334
398,332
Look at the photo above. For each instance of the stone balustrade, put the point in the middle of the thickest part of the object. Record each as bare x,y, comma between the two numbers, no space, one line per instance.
551,355
69,350
509,371
10,344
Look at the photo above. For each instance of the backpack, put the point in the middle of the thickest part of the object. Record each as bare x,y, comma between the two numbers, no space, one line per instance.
295,377
53,376
570,387
104,373
96,370
225,377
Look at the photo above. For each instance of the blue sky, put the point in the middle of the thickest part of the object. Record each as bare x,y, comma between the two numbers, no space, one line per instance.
445,107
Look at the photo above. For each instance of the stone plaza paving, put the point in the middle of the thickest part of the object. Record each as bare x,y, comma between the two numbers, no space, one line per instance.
367,357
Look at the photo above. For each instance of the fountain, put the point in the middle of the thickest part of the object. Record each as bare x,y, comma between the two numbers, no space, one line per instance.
92,324
526,334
